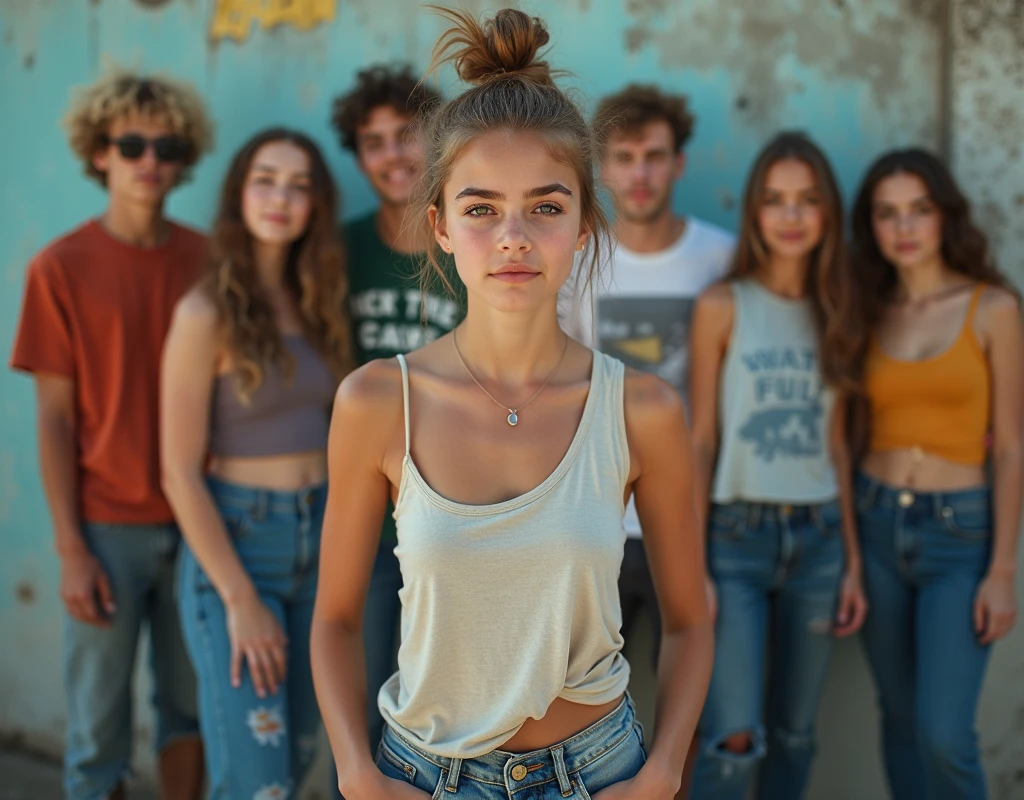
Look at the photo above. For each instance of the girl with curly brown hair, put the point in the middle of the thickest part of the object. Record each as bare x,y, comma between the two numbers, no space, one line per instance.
509,451
929,337
252,361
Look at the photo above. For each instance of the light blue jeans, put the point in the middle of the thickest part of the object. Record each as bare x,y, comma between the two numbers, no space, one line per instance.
258,747
609,751
777,570
924,556
99,662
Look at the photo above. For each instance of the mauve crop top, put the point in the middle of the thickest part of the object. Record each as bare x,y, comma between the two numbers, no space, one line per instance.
283,416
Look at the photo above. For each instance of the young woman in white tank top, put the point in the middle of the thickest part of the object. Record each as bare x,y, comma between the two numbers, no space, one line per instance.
773,479
509,451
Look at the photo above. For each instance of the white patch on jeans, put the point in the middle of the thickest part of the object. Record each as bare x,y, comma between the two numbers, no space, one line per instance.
272,791
820,625
267,726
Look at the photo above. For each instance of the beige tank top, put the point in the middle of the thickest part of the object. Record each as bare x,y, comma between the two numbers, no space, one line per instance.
508,606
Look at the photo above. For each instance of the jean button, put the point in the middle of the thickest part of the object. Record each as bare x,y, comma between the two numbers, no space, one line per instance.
518,772
906,498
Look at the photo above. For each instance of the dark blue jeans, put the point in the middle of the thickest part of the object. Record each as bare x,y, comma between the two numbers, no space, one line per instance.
777,570
924,556
380,628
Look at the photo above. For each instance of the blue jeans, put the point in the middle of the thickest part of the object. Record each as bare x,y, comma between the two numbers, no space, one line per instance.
99,662
609,751
380,628
924,556
257,747
777,570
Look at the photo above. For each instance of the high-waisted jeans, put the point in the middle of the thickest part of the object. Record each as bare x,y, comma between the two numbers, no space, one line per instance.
924,556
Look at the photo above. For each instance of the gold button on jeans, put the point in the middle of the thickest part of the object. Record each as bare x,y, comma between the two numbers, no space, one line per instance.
518,772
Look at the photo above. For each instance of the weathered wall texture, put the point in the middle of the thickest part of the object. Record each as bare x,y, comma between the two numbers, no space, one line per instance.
859,75
988,119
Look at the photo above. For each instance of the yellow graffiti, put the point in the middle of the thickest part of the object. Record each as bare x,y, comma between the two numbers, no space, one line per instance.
234,18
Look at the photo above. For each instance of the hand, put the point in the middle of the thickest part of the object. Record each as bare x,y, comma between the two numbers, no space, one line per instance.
853,605
711,594
384,788
995,608
632,789
85,589
256,635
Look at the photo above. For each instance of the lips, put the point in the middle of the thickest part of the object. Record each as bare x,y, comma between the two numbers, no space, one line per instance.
906,247
791,236
515,273
277,219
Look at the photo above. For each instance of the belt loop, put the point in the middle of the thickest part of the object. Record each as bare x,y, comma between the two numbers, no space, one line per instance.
755,512
454,770
871,494
259,511
558,755
938,504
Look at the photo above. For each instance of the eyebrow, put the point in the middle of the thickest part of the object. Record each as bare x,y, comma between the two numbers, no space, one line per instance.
271,168
490,194
922,199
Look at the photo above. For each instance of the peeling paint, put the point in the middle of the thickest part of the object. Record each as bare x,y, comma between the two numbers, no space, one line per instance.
880,44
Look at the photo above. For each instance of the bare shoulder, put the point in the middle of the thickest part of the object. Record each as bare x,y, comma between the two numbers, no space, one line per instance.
372,390
650,402
197,310
999,302
718,297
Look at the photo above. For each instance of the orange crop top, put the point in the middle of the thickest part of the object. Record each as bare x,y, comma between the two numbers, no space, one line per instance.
939,404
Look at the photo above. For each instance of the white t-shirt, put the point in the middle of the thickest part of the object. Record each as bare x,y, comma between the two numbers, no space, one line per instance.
640,312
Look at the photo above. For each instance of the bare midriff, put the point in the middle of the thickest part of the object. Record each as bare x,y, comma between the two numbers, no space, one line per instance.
563,720
914,469
284,473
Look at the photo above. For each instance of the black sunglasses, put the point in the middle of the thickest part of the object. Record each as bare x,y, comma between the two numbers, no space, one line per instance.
167,148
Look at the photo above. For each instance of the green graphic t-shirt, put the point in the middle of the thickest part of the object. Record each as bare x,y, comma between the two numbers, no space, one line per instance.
389,313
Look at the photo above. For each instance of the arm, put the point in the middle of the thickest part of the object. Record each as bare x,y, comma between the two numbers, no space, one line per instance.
367,416
853,604
710,332
660,452
84,586
188,369
995,607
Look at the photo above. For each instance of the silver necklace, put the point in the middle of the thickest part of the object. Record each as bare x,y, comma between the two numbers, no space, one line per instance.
513,413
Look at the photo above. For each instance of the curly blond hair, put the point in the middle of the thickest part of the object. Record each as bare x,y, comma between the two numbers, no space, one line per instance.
120,94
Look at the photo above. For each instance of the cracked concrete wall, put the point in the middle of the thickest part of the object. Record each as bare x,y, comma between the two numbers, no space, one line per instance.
860,75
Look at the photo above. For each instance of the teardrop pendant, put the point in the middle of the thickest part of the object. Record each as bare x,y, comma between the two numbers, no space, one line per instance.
513,419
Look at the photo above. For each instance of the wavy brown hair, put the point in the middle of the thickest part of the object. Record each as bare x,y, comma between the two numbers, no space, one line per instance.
316,274
627,112
870,282
514,90
827,260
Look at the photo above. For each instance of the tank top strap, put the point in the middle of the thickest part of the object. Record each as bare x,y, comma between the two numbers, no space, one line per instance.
405,399
973,306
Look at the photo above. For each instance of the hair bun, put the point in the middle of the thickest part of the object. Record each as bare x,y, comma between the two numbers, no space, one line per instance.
503,46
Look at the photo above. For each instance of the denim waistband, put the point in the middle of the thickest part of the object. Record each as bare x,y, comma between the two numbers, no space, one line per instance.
264,501
872,492
550,763
756,513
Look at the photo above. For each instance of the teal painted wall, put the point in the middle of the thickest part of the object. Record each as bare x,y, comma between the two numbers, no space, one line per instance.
859,75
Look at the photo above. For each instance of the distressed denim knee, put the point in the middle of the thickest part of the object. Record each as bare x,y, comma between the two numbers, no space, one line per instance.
722,774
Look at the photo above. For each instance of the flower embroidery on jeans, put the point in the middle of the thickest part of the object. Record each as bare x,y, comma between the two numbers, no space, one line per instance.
267,727
273,791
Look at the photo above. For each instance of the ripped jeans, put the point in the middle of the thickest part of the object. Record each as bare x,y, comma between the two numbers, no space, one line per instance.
257,748
777,569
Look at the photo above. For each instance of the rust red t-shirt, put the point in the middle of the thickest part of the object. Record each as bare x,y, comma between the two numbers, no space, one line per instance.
97,310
